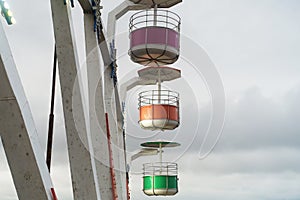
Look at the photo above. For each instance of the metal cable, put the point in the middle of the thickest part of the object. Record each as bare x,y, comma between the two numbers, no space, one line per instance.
51,115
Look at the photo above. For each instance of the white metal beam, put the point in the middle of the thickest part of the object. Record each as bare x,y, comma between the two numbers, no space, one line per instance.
86,6
118,12
159,3
111,98
113,16
116,134
18,134
79,144
132,83
96,109
144,152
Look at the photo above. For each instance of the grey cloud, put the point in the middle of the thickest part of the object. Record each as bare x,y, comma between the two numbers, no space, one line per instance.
256,121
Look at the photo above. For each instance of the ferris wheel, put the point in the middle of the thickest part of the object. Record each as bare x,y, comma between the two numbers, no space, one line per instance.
154,33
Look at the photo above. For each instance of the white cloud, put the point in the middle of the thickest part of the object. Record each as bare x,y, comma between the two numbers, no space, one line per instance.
236,175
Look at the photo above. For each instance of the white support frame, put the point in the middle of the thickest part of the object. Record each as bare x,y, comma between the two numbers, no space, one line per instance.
117,13
96,109
132,83
18,133
86,6
112,101
145,152
80,149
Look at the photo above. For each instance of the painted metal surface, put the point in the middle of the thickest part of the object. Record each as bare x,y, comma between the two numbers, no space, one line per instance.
111,105
117,138
160,3
111,160
79,145
163,73
96,109
111,97
112,101
159,109
154,46
18,133
53,194
144,152
86,6
155,35
165,97
155,18
160,185
165,117
157,144
160,179
159,124
159,112
154,41
132,83
117,13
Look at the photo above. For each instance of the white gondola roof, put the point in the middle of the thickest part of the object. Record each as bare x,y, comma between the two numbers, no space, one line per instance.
166,73
159,3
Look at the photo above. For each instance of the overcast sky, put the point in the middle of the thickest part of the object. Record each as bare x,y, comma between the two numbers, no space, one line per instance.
254,45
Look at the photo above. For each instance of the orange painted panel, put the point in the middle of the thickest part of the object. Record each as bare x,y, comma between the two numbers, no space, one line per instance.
159,111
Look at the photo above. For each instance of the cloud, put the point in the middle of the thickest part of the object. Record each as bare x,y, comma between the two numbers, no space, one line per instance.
8,192
260,161
257,121
241,186
236,175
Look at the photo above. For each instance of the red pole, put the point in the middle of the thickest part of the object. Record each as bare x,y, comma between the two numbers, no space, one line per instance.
111,163
53,194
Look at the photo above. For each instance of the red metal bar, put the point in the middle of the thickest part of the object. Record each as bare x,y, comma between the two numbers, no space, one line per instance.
111,163
53,194
127,186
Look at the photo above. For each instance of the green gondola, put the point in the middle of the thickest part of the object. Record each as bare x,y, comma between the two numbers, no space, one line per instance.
161,178
160,185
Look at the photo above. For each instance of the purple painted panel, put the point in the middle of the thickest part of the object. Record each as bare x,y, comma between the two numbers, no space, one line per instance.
154,35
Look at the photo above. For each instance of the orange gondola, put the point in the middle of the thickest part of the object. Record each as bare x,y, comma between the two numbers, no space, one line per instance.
159,109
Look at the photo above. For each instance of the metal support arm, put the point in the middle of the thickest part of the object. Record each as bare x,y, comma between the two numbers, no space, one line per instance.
118,12
145,152
133,82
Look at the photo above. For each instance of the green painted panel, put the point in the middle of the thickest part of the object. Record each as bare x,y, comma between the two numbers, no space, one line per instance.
162,143
148,182
160,182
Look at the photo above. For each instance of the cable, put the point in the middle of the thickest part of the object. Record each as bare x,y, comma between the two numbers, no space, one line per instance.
51,115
